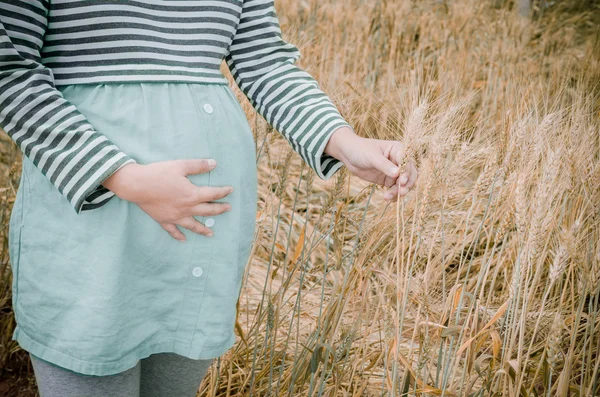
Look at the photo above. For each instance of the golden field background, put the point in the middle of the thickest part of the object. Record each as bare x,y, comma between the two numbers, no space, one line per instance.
485,279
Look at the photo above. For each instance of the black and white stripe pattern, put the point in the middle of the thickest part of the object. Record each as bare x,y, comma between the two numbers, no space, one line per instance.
106,40
50,43
262,64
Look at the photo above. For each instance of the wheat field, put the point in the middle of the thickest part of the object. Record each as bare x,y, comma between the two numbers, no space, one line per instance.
485,279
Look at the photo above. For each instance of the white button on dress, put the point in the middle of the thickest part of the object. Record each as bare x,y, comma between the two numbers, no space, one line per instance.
208,108
197,271
209,222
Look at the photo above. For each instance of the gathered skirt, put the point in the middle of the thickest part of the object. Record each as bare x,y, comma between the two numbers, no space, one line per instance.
95,292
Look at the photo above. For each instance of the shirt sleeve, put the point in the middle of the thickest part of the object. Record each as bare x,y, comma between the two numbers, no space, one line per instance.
48,129
263,66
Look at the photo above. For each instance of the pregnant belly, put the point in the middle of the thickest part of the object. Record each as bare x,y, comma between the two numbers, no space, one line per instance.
166,121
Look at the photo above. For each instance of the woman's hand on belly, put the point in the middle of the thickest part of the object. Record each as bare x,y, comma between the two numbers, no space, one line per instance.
164,192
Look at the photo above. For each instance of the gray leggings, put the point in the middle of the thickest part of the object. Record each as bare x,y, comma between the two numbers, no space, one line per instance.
159,375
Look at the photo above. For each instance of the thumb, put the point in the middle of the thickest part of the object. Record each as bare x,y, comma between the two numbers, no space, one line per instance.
197,166
386,166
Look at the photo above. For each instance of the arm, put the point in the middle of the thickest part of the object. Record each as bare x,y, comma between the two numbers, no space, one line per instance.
48,129
262,64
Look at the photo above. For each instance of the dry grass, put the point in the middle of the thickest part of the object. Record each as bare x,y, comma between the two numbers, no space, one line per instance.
485,280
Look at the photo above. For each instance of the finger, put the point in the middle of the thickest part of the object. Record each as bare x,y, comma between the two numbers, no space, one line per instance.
403,191
391,194
173,231
192,224
386,166
203,209
196,166
211,193
396,191
403,178
413,176
389,182
398,153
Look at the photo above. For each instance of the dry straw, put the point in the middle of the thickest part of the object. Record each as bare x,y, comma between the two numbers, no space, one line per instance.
485,279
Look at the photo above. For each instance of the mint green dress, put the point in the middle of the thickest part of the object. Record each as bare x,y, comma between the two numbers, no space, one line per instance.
109,286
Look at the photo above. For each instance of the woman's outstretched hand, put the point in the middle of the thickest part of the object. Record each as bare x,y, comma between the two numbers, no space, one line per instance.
164,192
374,160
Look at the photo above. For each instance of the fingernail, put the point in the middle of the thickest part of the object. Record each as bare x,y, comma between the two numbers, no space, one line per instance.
212,163
227,209
403,179
209,234
394,170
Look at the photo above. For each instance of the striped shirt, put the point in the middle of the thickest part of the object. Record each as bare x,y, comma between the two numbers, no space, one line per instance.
49,43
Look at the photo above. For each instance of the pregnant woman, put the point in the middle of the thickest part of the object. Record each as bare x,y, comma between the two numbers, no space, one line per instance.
135,212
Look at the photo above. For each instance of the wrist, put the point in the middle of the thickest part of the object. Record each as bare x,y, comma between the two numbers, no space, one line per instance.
338,141
122,181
